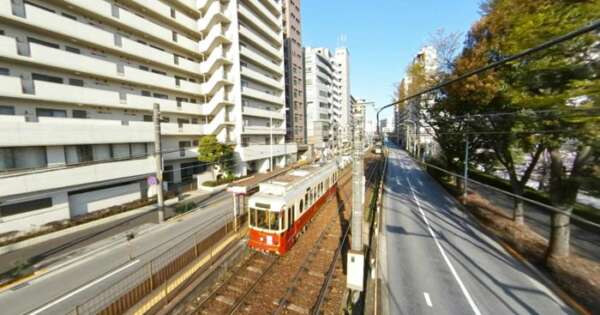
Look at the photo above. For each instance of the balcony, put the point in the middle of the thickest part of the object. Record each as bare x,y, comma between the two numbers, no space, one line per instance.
164,10
168,106
267,15
49,131
251,18
261,43
215,37
58,24
181,153
212,15
73,176
263,96
175,129
74,94
257,112
10,86
261,151
260,60
262,78
263,130
75,62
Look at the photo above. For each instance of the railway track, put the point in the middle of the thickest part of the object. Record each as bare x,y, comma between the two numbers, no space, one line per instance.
297,283
227,297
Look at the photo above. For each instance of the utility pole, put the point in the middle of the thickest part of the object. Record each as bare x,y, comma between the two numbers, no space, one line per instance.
158,163
356,259
271,143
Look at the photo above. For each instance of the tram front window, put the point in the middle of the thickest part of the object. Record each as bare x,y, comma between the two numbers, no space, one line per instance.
267,219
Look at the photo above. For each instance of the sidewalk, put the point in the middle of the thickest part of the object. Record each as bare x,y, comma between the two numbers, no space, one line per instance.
584,241
76,241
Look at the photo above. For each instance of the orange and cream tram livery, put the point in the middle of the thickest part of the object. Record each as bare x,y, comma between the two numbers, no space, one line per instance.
284,205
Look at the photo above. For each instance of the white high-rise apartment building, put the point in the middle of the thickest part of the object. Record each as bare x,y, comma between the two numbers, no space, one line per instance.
412,121
344,96
78,81
327,86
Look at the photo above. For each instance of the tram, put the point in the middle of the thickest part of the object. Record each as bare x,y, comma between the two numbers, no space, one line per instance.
284,205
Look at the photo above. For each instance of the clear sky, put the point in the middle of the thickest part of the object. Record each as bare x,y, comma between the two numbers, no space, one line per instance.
382,35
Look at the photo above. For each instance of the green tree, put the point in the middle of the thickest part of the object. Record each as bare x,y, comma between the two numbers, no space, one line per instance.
210,150
553,81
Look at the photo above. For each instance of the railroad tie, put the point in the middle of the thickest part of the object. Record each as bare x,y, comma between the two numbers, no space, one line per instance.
224,299
244,278
254,269
297,309
317,274
235,289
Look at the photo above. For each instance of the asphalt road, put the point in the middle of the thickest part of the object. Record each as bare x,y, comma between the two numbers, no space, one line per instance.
435,259
54,250
60,290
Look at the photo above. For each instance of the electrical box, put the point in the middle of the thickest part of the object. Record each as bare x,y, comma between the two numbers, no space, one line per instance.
356,269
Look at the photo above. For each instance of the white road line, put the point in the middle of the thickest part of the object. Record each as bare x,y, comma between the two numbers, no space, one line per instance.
427,299
85,287
454,273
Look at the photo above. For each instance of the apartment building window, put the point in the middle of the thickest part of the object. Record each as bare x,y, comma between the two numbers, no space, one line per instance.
143,68
76,82
4,71
42,42
180,100
7,110
161,96
79,154
22,158
26,206
138,149
146,93
172,13
50,112
47,78
159,72
174,36
73,49
81,114
68,16
244,83
148,118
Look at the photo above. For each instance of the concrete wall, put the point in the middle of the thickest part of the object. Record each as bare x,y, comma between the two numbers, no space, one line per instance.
89,202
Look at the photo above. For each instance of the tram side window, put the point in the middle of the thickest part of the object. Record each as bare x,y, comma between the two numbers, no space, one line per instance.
301,208
267,219
306,199
252,217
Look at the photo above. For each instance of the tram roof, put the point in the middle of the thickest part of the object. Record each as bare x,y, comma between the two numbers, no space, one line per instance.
281,184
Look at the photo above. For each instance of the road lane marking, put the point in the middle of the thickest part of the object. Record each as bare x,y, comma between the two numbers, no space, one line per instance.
85,287
427,299
441,249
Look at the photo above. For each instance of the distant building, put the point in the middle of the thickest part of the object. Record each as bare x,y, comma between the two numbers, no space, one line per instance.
294,73
78,81
328,99
412,127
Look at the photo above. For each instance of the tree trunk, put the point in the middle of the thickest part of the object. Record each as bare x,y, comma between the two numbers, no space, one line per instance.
559,235
519,212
